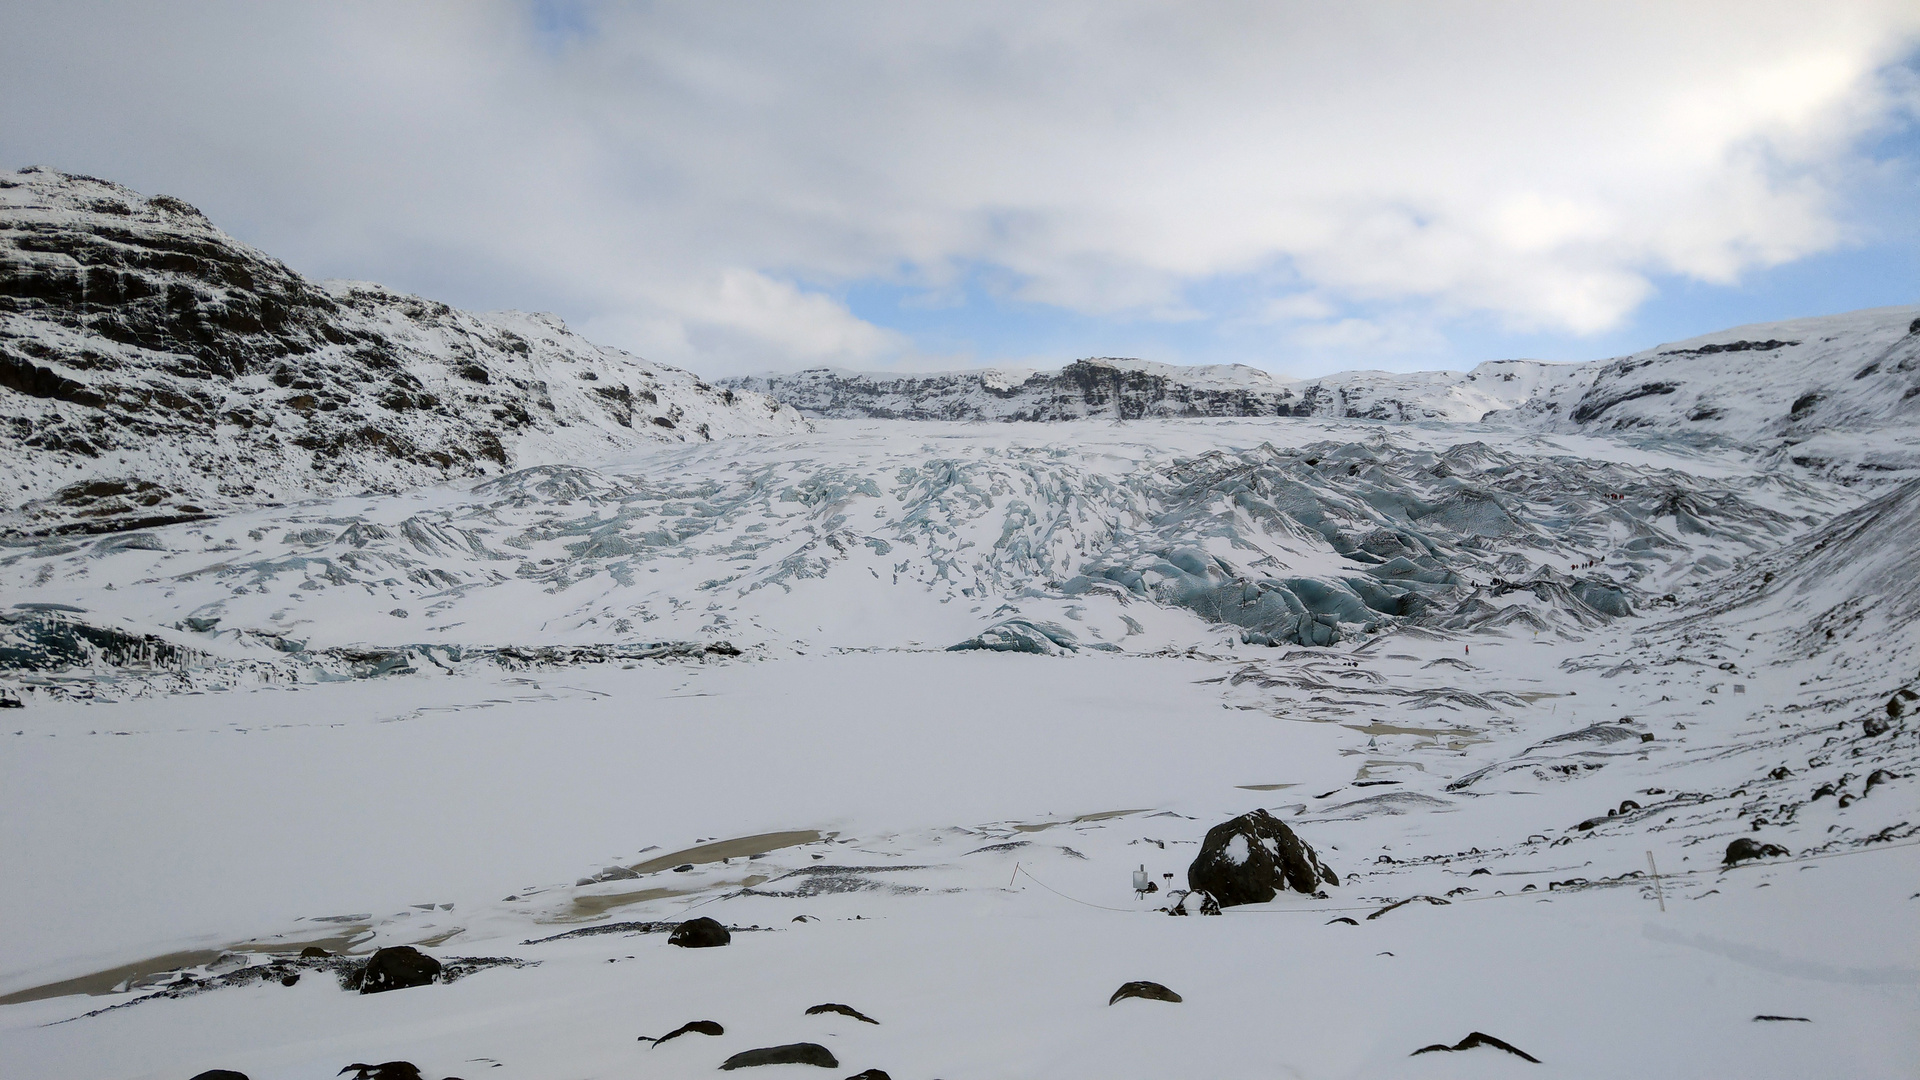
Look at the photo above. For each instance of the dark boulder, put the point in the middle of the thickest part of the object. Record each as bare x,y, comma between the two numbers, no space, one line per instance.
221,1074
871,1074
790,1054
1152,991
1253,857
843,1010
396,968
1472,1040
1745,848
386,1070
1874,726
697,1027
700,933
314,952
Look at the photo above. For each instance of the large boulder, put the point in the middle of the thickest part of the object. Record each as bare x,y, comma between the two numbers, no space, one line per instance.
1252,858
1151,991
700,933
789,1054
397,967
1747,848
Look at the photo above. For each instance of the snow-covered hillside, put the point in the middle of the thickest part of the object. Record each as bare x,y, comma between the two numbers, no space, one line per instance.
154,369
1839,394
1839,390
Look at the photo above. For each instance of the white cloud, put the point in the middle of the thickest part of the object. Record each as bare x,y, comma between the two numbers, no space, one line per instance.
696,180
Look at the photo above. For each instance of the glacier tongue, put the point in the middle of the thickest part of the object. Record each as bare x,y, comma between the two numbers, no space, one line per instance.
1219,534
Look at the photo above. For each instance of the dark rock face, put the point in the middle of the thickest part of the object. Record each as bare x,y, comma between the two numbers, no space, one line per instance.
1151,991
130,323
701,933
398,967
1745,848
790,1054
843,1010
1251,858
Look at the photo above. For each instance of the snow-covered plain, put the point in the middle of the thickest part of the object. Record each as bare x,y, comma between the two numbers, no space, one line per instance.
1506,669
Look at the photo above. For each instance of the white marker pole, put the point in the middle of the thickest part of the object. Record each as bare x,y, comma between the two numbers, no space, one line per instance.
1658,893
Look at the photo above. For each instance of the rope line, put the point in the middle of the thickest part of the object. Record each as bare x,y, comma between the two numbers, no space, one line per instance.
1075,899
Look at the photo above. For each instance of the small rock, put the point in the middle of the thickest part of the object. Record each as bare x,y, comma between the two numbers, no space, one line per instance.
1152,991
1875,725
1876,778
314,952
290,979
790,1054
1472,1040
843,1010
1795,1019
697,1027
870,1074
1187,902
1745,848
1342,919
221,1074
396,968
700,933
386,1070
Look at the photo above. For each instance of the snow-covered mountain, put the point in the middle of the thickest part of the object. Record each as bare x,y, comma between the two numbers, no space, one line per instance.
154,369
1817,391
1131,389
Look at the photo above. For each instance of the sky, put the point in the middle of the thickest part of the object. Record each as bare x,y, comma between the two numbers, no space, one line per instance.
745,187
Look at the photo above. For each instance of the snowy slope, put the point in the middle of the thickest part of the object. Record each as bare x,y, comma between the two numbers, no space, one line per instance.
1835,390
154,369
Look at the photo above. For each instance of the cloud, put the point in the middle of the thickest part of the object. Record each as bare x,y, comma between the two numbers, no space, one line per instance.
702,182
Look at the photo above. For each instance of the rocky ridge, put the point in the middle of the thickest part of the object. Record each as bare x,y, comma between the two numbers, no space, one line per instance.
1837,394
154,369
